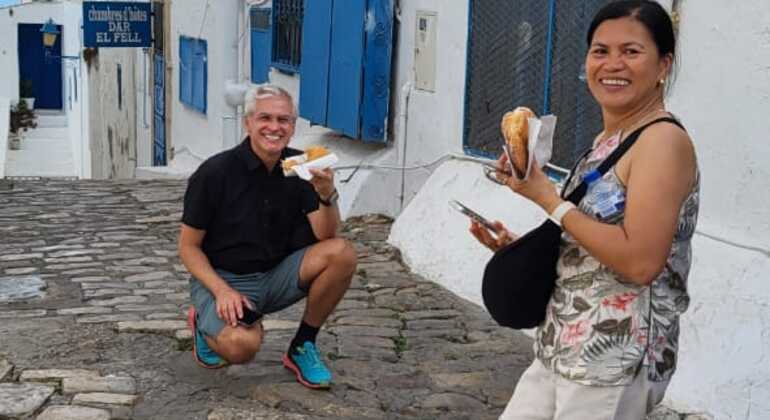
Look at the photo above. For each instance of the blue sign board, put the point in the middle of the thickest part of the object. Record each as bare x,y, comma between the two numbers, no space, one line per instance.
116,24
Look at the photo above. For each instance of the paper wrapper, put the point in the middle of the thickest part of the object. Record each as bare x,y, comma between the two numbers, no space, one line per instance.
302,169
541,130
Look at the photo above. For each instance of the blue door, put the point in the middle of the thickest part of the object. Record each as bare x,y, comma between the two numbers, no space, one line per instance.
261,44
159,114
314,66
40,69
345,66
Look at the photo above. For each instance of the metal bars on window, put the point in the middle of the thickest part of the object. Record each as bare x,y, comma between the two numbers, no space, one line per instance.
287,34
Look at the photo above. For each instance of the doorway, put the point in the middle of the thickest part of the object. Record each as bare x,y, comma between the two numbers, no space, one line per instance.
39,70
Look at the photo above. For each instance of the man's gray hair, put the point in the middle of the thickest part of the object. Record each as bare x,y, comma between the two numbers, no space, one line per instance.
265,91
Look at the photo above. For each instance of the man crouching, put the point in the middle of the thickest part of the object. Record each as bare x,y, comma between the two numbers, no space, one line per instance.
256,242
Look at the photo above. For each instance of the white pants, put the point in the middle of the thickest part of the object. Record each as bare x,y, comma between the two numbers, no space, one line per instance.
542,394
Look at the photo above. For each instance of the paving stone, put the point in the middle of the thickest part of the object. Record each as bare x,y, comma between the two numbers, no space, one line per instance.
369,321
26,313
110,384
454,402
6,369
21,288
88,310
69,260
71,266
259,414
73,412
154,275
54,376
21,270
159,307
99,319
161,316
279,324
90,279
104,398
359,331
436,314
75,253
118,301
151,326
104,245
170,282
148,292
22,399
20,257
94,293
177,297
460,380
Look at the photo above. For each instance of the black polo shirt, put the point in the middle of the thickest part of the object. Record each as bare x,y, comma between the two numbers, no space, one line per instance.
253,219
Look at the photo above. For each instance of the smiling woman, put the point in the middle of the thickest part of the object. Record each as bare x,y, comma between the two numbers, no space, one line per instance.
608,346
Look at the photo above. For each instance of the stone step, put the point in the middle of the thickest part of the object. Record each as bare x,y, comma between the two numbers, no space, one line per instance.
41,157
46,119
58,133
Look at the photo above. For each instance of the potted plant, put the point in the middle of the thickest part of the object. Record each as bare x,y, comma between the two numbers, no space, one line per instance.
26,94
22,119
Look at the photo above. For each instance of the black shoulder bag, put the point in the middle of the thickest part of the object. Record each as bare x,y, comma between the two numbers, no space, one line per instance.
520,277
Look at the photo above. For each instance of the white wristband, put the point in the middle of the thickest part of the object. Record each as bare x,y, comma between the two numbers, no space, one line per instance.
560,210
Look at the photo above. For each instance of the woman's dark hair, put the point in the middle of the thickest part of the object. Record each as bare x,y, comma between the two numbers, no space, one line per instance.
649,13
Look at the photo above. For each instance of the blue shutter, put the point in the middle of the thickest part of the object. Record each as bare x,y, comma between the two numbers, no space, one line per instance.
376,98
185,68
261,44
199,75
314,66
345,74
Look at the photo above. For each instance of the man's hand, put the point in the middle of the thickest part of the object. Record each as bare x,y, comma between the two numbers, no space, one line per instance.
230,305
323,182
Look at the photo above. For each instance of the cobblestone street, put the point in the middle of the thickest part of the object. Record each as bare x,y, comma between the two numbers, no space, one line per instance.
109,331
93,301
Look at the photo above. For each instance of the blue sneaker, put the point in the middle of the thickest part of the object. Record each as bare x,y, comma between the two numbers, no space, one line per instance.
202,353
306,363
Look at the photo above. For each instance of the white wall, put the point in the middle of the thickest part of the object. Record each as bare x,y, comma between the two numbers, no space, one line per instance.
67,14
192,132
144,106
723,96
113,114
5,111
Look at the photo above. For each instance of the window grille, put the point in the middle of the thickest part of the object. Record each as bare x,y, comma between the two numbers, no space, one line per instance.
287,34
529,53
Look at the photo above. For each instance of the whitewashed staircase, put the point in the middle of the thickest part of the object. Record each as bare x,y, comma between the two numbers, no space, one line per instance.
45,151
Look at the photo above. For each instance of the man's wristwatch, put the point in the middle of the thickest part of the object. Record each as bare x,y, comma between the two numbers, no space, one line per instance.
331,201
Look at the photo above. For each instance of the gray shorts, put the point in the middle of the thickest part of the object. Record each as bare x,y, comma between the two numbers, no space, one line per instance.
269,292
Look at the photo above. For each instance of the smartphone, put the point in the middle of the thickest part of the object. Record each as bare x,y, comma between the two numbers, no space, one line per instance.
250,317
473,215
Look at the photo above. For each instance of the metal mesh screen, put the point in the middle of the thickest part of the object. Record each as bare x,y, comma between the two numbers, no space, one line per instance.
579,116
287,34
506,62
508,51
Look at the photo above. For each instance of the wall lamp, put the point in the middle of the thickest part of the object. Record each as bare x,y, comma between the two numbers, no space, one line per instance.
50,33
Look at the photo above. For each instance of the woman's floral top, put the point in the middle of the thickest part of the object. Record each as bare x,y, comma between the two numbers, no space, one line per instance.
600,329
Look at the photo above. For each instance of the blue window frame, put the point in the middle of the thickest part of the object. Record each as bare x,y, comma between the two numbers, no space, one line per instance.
287,34
261,45
193,72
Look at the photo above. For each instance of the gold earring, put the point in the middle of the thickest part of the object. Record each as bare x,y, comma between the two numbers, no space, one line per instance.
661,82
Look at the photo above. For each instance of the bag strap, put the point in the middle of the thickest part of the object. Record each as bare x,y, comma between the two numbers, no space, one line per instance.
578,193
